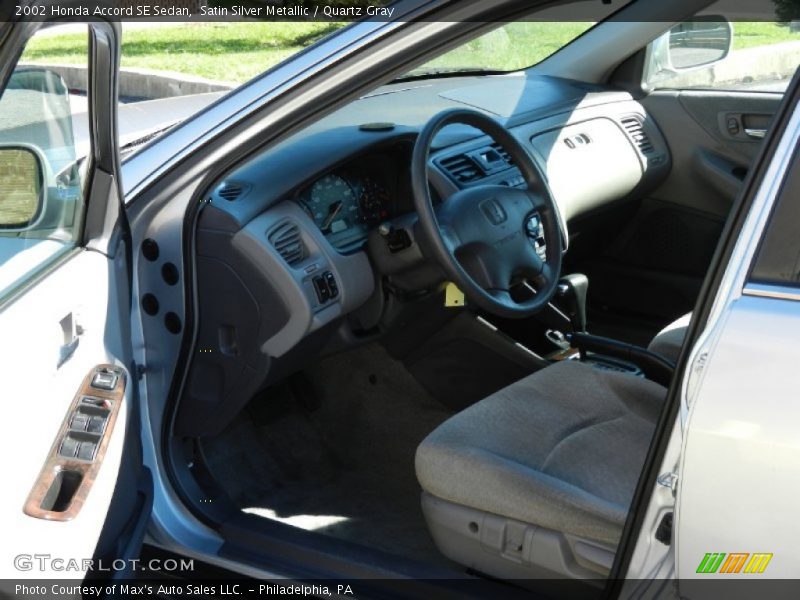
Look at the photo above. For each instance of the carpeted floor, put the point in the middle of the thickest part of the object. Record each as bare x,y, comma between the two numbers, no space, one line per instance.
345,469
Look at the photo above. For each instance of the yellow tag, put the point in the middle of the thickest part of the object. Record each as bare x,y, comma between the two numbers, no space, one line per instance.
453,296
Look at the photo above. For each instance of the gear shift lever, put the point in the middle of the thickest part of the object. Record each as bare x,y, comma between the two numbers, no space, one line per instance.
572,291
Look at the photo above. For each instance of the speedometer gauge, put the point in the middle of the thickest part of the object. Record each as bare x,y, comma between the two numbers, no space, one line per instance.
332,204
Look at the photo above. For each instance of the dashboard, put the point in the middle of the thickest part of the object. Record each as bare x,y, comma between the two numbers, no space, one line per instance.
314,242
319,227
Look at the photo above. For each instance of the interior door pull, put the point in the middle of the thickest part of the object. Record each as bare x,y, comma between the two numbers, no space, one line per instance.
755,133
71,332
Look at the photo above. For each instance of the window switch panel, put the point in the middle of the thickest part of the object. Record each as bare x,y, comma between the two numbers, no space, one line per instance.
79,447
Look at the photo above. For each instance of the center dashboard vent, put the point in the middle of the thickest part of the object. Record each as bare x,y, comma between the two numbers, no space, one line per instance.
477,164
503,153
288,242
637,134
461,168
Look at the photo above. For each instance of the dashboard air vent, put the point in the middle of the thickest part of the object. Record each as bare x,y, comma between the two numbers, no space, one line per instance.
461,168
286,239
637,133
502,152
231,191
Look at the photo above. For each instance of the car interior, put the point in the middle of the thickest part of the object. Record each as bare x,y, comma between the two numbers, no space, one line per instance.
439,323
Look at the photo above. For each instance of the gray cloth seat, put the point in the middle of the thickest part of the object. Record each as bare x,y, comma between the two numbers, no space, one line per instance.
560,449
669,341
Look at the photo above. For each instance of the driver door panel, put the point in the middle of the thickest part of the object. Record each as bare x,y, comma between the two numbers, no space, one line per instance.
38,394
73,491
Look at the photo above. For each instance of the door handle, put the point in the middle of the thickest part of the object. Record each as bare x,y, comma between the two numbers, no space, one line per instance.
66,351
71,332
757,134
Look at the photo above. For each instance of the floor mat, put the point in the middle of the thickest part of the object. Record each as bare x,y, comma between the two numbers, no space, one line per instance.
345,469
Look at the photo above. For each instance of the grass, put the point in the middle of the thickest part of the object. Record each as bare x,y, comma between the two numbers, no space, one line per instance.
224,51
237,52
751,35
513,46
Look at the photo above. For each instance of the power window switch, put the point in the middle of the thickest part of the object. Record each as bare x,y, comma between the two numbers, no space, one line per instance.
96,424
68,448
104,380
86,450
79,422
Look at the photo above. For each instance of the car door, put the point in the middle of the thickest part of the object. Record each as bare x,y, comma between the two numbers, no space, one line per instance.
714,118
74,486
732,408
741,405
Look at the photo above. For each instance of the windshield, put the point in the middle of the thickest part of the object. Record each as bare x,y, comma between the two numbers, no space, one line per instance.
170,70
508,48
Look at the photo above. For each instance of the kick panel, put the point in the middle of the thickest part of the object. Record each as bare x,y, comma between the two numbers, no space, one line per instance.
78,450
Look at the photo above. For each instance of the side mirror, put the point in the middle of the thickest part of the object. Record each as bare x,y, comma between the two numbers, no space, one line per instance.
23,188
699,42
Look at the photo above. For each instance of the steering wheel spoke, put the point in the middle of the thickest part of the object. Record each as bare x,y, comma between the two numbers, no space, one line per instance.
503,297
538,200
529,263
548,274
451,240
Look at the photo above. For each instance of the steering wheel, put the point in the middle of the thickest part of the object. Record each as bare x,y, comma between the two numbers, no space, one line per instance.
482,236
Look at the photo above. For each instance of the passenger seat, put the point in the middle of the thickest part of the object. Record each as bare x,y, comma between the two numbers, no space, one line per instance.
669,341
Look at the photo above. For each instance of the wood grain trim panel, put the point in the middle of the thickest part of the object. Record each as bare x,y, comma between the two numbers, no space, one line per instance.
68,470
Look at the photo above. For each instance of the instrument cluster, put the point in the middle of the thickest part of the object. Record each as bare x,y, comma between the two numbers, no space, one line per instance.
349,202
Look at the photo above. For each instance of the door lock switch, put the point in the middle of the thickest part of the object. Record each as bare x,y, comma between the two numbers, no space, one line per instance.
105,379
96,402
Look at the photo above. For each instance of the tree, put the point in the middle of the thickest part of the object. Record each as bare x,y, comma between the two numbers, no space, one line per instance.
787,10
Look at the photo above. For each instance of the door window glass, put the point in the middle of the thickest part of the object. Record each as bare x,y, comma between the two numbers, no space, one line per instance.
44,141
760,56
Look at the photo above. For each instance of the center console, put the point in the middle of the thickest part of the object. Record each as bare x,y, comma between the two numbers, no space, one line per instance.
559,332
